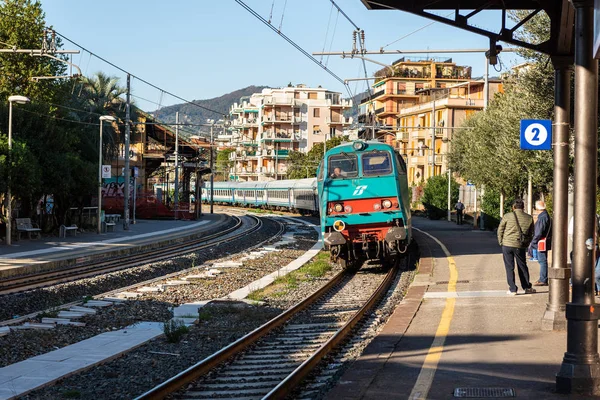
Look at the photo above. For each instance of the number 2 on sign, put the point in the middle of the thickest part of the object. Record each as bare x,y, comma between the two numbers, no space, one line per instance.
536,134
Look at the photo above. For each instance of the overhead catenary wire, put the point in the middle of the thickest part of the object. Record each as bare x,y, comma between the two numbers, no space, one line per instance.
413,32
337,17
327,32
290,41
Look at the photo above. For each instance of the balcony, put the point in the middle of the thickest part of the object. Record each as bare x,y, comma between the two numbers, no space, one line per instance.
270,153
339,103
284,102
418,134
338,120
281,136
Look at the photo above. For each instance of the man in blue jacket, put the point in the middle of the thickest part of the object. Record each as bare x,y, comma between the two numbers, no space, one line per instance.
542,229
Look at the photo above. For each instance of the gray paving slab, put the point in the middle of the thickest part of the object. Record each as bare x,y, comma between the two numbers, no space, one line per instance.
21,377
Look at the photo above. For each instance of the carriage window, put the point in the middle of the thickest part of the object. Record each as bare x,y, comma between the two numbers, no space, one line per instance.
342,166
320,169
376,163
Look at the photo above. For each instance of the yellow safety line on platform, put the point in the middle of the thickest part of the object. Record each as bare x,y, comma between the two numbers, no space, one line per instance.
425,378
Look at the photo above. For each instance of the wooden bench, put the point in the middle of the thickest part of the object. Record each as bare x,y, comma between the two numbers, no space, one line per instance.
65,229
25,225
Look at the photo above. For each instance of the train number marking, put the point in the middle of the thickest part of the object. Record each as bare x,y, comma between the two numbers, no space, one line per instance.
359,190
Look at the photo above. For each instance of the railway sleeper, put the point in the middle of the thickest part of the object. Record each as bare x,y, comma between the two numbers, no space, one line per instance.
253,373
271,367
238,385
207,394
309,326
243,379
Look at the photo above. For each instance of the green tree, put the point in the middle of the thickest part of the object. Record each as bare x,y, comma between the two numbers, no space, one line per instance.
435,196
304,165
223,163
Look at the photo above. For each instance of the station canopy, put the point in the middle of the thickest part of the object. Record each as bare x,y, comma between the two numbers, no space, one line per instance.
560,12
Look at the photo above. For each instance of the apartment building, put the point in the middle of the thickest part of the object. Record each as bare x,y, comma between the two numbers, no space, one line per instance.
418,107
266,126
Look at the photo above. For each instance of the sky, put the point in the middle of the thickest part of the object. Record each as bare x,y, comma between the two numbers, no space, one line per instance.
200,49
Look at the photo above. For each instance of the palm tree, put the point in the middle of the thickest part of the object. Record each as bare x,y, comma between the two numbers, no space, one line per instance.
101,95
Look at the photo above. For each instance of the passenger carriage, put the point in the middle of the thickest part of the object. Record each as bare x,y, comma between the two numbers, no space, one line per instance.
364,203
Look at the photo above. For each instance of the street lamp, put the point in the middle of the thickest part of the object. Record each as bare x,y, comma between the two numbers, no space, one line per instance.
11,100
109,118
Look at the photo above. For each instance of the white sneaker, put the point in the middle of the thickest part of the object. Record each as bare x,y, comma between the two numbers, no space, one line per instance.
511,293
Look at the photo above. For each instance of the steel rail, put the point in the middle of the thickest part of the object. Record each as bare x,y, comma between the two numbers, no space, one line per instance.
285,387
282,389
19,284
148,282
197,370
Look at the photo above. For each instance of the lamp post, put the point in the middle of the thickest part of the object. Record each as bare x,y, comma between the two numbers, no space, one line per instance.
103,118
11,100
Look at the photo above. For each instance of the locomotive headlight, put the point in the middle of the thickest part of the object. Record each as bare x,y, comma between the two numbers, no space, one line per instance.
376,206
348,209
338,207
339,225
358,145
386,204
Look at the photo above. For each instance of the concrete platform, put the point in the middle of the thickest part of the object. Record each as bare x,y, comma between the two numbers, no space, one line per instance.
47,253
473,336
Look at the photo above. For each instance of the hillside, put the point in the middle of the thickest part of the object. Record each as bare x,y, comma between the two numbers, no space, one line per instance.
189,113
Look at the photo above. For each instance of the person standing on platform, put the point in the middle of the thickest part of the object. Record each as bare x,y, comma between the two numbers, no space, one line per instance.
514,235
460,208
542,230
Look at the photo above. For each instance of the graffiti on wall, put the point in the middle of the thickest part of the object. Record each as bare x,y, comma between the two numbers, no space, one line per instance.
112,188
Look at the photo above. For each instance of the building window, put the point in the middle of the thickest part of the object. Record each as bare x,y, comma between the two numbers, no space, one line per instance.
312,95
317,112
316,129
331,132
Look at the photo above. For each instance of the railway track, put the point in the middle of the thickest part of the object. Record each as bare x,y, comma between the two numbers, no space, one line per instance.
272,360
67,274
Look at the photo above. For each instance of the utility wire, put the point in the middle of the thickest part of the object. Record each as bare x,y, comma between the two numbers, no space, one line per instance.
327,32
413,32
58,118
344,14
138,78
290,41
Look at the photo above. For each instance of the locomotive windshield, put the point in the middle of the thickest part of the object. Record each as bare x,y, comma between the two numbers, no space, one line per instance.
342,166
376,163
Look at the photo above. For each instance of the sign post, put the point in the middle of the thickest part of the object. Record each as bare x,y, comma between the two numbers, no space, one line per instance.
135,175
596,28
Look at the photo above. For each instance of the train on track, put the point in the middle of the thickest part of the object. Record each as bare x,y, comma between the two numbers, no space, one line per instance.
360,193
286,195
364,203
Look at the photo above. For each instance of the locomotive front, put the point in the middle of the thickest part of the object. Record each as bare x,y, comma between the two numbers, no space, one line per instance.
363,194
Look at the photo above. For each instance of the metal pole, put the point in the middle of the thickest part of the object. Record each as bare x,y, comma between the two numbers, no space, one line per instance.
176,200
134,196
580,369
559,271
433,136
197,197
529,193
475,209
212,174
481,214
127,172
100,180
8,192
486,85
501,204
449,198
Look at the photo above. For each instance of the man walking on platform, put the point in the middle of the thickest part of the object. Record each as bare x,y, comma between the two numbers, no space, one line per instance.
514,235
460,208
542,238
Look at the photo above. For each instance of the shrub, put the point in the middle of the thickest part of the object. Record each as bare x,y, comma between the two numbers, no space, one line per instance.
435,196
174,330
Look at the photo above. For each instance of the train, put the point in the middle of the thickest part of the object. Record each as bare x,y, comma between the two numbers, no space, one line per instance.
364,203
360,193
298,195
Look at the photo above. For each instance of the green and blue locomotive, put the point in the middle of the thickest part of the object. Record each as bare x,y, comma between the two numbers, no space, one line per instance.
364,203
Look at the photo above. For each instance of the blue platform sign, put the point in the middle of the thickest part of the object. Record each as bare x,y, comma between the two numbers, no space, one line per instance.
536,134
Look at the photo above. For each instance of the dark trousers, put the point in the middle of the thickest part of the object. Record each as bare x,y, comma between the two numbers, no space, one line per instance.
459,217
510,254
